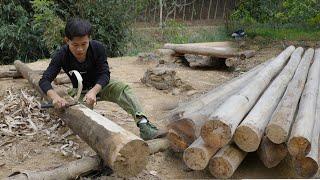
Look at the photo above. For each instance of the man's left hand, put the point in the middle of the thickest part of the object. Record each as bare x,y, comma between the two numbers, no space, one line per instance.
90,98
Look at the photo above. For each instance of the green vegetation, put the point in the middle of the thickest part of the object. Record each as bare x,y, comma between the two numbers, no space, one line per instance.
31,30
149,39
278,20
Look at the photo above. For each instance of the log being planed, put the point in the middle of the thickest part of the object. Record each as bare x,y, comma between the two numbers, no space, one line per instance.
271,154
226,161
249,133
121,150
198,154
279,126
222,124
299,143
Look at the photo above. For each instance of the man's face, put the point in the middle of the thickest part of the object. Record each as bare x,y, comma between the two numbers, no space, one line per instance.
79,46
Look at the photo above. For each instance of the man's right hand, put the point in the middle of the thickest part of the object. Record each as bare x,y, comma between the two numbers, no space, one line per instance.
57,101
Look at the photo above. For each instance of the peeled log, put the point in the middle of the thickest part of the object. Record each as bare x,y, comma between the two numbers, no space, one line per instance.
204,61
308,166
249,133
188,123
158,145
212,44
71,170
299,143
271,154
77,168
198,154
221,52
214,94
121,150
165,52
222,124
226,161
281,121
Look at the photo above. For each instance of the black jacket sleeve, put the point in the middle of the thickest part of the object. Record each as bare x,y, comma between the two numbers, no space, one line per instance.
103,73
52,71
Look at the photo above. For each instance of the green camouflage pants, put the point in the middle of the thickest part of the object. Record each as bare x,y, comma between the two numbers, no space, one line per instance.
121,94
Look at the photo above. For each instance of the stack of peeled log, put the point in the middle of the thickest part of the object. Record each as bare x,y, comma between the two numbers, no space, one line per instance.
272,109
208,54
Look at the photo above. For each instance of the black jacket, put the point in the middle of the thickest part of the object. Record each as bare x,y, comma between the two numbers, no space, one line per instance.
94,70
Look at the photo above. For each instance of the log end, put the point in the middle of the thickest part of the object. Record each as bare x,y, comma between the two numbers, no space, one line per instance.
299,146
276,133
185,127
306,167
271,154
132,158
216,133
177,143
220,167
247,138
195,158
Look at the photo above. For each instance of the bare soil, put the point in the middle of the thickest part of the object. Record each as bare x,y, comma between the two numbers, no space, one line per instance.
35,153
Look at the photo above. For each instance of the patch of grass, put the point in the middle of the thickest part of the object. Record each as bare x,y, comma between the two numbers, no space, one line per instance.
285,33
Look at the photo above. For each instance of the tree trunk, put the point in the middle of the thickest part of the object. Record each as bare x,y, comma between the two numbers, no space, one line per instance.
216,10
121,150
221,52
184,10
226,161
161,9
201,9
301,134
308,166
249,133
279,126
219,130
209,10
192,11
198,154
224,9
271,154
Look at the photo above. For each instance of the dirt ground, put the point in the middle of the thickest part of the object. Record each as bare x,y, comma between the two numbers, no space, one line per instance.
39,152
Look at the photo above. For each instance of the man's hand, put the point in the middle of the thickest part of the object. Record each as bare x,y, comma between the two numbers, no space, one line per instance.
57,101
90,98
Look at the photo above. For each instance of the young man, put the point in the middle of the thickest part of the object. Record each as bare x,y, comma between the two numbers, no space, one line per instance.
89,58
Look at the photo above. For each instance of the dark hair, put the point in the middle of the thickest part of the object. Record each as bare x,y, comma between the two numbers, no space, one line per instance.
77,27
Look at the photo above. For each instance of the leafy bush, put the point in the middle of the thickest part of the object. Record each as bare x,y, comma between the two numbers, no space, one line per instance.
275,12
48,23
111,21
17,38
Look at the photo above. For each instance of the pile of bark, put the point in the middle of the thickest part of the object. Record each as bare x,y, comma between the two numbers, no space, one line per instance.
273,109
210,54
164,78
